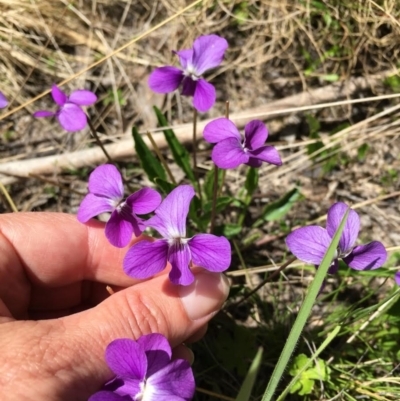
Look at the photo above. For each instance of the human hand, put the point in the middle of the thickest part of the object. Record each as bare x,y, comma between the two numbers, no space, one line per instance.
56,316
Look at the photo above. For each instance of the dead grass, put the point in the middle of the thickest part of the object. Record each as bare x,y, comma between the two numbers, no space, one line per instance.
276,50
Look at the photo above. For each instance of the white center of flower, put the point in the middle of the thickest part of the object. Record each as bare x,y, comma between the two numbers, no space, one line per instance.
177,241
191,72
146,392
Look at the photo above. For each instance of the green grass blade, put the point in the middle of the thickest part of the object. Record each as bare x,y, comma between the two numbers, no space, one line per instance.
150,164
248,383
327,341
304,312
179,152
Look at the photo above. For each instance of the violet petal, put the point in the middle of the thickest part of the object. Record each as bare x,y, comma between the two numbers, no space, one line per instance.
367,257
204,96
229,154
125,357
144,201
253,162
309,244
129,387
165,79
145,259
43,113
158,351
92,206
106,180
118,230
185,57
255,134
175,382
267,154
220,129
397,277
3,101
58,95
179,257
208,52
72,118
351,228
108,396
170,216
188,86
82,97
210,252
334,267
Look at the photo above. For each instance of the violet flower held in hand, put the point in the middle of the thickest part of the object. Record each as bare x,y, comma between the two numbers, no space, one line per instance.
145,259
208,52
106,193
231,150
310,244
3,101
69,113
144,371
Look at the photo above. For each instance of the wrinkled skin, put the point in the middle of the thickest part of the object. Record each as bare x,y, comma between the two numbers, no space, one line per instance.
56,316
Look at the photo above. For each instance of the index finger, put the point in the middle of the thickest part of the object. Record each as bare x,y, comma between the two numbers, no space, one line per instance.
54,249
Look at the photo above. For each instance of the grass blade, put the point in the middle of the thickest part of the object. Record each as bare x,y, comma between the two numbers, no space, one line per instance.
150,164
304,312
327,341
248,383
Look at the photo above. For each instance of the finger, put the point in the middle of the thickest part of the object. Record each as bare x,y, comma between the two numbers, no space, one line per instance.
53,250
56,249
70,351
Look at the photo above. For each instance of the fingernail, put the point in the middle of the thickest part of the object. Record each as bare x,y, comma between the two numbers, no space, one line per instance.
205,296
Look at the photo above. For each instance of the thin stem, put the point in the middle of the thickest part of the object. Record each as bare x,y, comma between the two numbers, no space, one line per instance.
96,137
8,197
265,281
194,146
161,157
216,191
214,199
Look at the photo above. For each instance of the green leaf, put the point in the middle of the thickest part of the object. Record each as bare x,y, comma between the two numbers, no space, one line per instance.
278,209
251,182
179,152
306,376
208,186
195,214
248,383
222,203
150,164
304,312
165,186
231,230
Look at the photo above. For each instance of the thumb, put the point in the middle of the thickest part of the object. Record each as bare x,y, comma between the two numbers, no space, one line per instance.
71,354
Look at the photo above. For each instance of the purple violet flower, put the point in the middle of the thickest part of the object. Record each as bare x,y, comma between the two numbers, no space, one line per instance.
69,113
310,244
106,194
397,278
231,150
144,371
207,53
3,101
145,259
